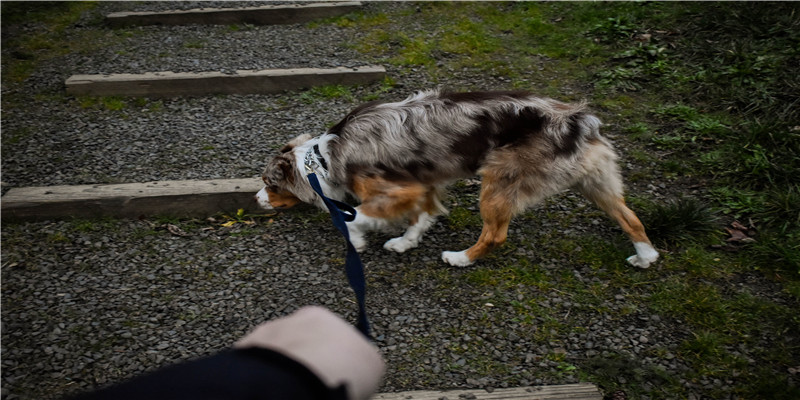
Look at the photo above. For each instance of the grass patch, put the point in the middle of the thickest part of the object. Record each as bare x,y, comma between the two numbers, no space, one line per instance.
328,92
680,221
460,218
386,86
108,103
622,372
522,273
726,326
28,50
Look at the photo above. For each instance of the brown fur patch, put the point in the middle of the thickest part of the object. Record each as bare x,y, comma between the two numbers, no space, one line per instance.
282,199
382,198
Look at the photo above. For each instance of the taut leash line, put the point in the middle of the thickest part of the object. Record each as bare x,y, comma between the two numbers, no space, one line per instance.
340,214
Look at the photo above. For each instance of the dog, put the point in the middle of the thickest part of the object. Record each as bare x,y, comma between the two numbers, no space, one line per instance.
396,158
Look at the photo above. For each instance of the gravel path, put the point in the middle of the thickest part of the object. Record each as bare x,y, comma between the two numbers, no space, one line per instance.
86,303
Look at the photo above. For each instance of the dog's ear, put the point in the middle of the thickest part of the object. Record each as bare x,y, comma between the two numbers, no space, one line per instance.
286,165
280,169
295,142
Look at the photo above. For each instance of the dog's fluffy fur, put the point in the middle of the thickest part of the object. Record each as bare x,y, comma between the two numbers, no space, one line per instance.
396,158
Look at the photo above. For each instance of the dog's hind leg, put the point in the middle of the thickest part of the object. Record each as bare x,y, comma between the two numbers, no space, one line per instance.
646,254
496,211
605,190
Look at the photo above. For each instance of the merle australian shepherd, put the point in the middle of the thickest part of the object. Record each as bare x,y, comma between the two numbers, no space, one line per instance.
396,159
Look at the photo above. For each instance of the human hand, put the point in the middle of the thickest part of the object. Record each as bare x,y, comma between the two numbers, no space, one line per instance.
325,344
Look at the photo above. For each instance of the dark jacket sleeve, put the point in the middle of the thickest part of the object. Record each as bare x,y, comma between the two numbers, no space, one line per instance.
253,373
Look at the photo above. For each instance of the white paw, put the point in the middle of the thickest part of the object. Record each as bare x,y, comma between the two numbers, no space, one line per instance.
400,244
645,255
456,258
637,261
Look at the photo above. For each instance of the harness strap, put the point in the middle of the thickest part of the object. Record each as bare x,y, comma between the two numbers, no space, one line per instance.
341,213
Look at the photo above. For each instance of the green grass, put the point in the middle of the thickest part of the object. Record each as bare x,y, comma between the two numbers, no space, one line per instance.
29,50
109,103
326,93
460,218
680,221
508,277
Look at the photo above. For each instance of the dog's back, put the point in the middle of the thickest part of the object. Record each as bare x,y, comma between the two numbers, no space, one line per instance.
436,135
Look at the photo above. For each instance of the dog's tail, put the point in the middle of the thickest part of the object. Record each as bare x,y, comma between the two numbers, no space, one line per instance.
573,125
590,125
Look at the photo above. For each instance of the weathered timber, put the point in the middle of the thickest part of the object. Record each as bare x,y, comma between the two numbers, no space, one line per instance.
131,200
165,84
264,15
577,391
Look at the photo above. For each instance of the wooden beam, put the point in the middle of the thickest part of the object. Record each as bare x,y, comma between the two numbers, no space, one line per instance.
131,200
264,15
577,391
162,84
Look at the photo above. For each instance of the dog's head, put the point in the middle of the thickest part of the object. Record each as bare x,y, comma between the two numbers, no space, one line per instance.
283,180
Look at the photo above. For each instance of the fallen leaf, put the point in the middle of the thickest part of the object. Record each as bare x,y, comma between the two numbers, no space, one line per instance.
738,236
176,230
739,226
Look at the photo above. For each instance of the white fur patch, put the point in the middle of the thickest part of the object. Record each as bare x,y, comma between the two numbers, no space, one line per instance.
263,199
645,255
456,258
358,241
359,226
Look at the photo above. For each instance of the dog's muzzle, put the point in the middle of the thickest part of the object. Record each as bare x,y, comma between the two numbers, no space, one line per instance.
262,198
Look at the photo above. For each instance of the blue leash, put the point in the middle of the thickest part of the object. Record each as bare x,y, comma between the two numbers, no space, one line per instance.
341,213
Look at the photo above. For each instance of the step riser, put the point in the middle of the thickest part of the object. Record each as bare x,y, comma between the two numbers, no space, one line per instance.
132,200
165,84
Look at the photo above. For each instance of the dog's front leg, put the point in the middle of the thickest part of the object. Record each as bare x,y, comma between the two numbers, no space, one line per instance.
359,227
412,236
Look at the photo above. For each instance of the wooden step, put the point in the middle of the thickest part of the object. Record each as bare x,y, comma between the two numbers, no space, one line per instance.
577,391
263,15
131,200
164,84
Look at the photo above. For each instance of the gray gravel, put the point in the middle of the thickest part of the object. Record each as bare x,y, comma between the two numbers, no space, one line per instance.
87,303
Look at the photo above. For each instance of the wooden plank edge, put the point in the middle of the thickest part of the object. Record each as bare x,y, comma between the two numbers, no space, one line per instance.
167,83
263,15
577,391
131,200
